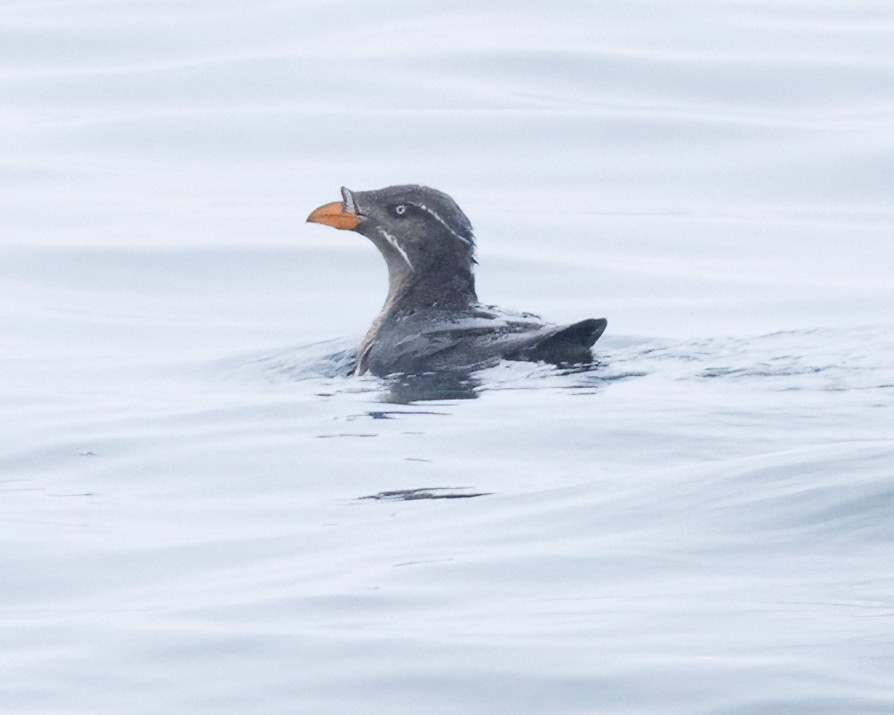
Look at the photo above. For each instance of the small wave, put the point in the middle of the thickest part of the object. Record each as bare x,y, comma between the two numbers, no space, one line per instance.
321,360
836,492
812,359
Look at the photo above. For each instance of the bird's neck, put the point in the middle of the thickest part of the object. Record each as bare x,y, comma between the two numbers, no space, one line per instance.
412,291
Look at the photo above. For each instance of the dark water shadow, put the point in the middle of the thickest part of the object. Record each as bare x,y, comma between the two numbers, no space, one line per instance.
428,387
426,493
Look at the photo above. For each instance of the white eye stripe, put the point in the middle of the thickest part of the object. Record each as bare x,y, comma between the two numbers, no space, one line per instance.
442,222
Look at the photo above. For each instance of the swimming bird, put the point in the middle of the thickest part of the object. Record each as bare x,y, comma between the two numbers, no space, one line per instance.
432,320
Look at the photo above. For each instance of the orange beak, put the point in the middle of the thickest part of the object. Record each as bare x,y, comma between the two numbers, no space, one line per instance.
334,215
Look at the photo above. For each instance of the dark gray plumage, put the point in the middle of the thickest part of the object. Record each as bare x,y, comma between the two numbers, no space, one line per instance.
432,320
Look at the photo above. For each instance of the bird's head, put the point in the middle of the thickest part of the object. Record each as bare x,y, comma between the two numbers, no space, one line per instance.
418,230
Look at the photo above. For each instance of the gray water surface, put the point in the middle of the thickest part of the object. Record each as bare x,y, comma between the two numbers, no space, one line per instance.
201,511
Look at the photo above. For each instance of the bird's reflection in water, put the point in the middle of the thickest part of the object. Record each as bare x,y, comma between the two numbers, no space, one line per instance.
469,385
452,385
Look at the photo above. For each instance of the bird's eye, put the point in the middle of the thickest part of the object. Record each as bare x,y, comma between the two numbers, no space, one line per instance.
400,210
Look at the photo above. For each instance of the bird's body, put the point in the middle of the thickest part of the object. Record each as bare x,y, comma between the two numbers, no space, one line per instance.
432,320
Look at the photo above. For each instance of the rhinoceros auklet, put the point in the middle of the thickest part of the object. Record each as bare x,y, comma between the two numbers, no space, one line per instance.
432,320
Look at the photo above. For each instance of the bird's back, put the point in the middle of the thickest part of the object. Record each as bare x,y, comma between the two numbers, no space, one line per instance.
433,340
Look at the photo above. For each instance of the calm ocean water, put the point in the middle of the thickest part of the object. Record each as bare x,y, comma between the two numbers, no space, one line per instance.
201,512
